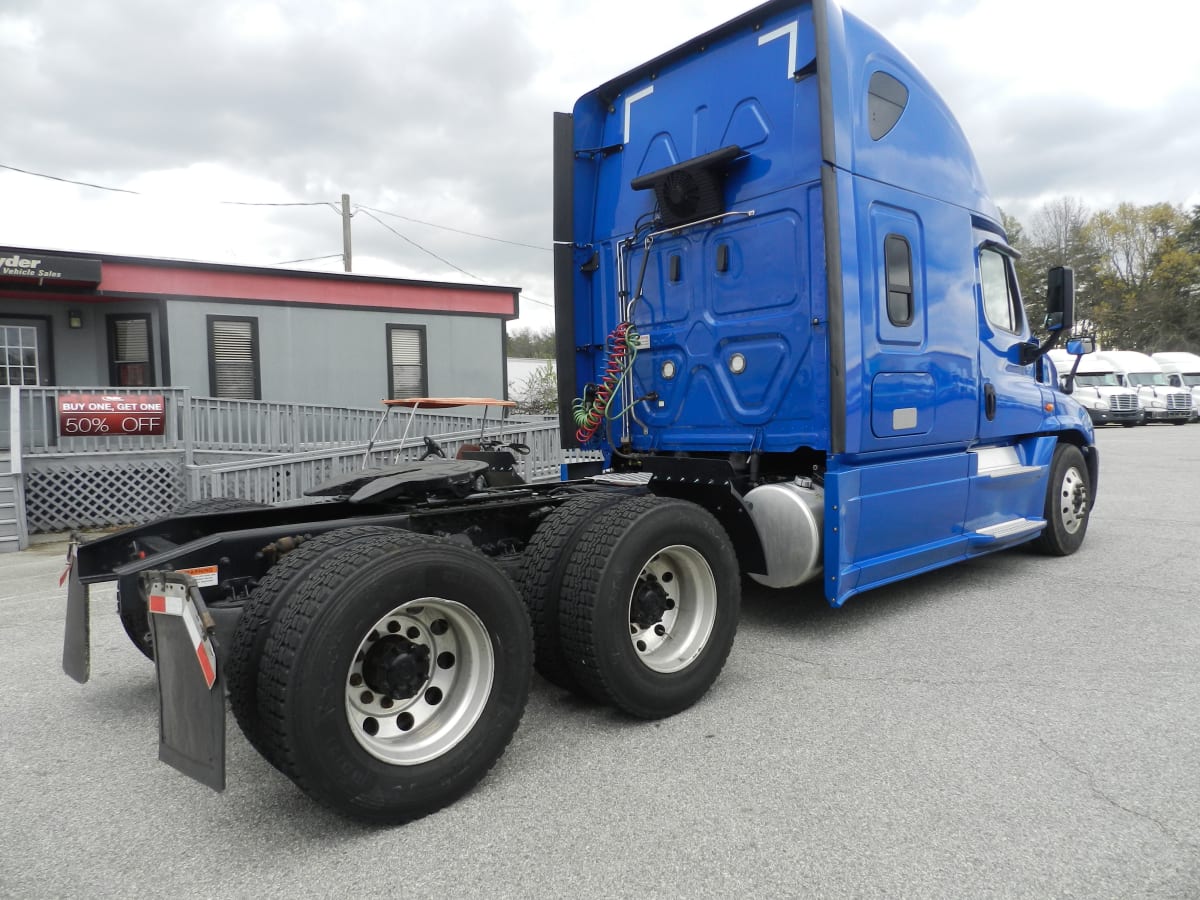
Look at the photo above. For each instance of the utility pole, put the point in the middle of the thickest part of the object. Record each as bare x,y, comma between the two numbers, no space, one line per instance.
346,230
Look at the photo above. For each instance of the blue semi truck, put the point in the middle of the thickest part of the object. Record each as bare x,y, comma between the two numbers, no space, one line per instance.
788,315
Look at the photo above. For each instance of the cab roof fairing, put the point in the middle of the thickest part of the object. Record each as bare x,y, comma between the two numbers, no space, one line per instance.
927,151
607,120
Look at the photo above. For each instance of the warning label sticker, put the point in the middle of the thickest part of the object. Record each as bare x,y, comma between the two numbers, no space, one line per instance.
205,576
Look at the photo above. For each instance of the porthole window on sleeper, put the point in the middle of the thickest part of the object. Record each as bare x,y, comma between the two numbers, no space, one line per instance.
886,99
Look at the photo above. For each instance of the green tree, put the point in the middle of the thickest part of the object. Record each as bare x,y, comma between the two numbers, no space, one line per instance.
539,393
1191,234
531,343
1148,278
1058,236
1028,275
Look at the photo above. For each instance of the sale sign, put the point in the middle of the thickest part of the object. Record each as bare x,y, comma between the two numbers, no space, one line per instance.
97,415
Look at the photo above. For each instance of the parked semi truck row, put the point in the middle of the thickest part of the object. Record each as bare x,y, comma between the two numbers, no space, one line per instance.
787,313
1160,401
1095,385
1182,371
1126,388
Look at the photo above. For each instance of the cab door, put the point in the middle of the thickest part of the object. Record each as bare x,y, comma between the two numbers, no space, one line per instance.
1010,397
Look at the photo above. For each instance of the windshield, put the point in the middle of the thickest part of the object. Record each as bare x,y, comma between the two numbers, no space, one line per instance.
1105,379
1191,380
1158,379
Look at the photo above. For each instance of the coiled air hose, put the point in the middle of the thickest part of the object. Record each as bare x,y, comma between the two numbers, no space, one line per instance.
620,349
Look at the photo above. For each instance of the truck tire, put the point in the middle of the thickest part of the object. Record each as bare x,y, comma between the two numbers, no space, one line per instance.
1068,503
133,613
395,677
540,579
650,606
263,608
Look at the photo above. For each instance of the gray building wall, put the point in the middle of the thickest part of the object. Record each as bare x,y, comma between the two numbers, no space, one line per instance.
339,357
80,355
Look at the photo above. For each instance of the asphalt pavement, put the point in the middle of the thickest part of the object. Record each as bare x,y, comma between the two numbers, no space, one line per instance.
1016,726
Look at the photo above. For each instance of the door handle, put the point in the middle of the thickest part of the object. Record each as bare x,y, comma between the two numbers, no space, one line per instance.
989,402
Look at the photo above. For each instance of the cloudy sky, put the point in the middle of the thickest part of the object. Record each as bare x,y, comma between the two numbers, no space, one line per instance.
435,117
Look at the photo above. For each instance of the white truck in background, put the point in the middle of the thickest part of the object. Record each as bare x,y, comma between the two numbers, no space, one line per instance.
1160,401
1182,371
1096,387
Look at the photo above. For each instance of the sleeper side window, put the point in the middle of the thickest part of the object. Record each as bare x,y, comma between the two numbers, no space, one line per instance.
897,257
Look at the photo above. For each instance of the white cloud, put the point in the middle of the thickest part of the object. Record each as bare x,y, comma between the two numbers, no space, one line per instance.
442,113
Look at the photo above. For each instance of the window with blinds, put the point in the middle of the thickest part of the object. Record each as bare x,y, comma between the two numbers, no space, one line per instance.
407,376
130,360
233,358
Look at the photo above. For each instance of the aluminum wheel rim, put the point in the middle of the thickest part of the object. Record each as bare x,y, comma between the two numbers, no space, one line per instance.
1073,500
450,697
680,633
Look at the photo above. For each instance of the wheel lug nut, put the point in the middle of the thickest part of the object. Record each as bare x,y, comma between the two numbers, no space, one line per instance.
367,697
660,630
355,680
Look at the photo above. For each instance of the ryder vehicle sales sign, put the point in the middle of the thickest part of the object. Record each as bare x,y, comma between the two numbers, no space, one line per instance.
98,415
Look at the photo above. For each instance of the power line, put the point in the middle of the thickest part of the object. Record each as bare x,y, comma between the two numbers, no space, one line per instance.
371,215
330,204
292,203
99,187
288,262
369,211
486,237
117,190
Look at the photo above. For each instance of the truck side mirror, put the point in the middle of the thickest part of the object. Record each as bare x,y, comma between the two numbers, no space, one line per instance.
1060,299
1081,346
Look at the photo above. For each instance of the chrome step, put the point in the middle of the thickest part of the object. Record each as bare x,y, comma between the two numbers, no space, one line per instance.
1010,471
1010,529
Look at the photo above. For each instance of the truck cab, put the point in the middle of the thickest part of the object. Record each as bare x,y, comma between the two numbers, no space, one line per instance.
1182,371
780,275
1160,401
1095,385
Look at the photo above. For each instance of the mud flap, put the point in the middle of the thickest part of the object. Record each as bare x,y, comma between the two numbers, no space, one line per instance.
191,690
77,637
